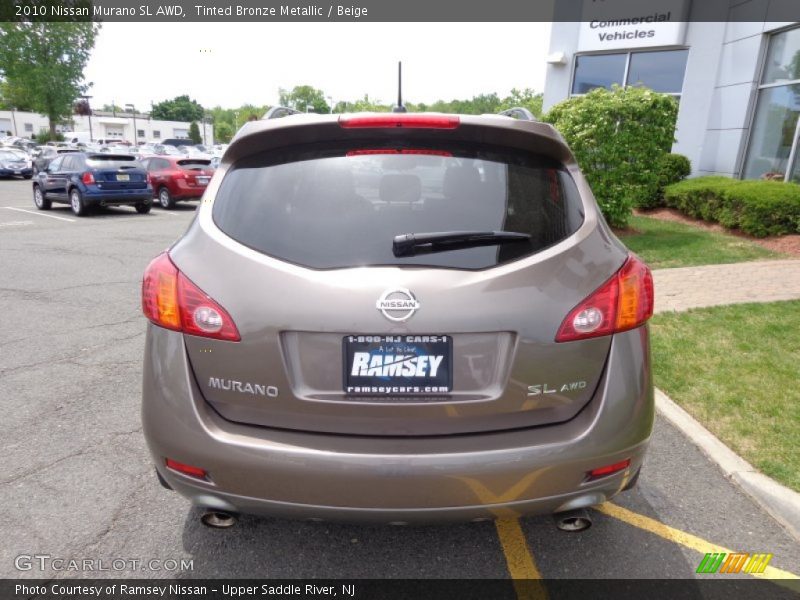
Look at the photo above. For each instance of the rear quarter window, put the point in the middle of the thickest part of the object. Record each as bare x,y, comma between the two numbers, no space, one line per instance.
341,207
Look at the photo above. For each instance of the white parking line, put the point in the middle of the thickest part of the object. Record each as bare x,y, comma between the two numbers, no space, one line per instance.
41,214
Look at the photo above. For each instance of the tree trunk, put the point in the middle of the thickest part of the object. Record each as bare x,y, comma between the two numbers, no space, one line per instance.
52,128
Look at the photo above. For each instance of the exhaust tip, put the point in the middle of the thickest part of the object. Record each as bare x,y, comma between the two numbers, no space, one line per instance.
573,521
217,519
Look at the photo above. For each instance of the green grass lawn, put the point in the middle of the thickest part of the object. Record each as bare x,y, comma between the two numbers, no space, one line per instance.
664,244
736,369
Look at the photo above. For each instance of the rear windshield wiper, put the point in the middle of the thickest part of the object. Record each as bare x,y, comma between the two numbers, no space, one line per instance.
410,244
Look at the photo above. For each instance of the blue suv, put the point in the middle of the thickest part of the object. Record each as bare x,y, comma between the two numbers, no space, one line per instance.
83,180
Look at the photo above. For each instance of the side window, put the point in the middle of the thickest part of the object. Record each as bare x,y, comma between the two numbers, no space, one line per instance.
68,163
55,165
163,164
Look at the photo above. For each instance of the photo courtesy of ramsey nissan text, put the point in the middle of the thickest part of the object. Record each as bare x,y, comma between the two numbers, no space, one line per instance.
390,301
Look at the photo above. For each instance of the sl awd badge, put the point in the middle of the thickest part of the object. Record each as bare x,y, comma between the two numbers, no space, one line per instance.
397,304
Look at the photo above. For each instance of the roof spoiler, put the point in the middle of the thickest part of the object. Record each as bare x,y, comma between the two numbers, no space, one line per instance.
276,112
518,112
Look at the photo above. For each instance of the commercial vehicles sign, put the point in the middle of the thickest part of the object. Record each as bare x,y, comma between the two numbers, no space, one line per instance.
622,24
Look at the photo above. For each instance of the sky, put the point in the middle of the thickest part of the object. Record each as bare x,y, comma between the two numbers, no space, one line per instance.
230,64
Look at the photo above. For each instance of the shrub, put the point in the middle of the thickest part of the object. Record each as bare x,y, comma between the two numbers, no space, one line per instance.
759,208
671,168
618,137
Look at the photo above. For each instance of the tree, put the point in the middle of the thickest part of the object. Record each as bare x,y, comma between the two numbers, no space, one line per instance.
526,98
112,108
42,65
223,132
304,98
180,108
194,133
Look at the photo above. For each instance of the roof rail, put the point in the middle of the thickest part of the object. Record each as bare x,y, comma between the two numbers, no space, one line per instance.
518,112
276,112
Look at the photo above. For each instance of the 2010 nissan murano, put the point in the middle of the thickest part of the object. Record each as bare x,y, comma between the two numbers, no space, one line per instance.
397,317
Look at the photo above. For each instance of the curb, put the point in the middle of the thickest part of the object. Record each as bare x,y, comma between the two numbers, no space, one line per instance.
777,500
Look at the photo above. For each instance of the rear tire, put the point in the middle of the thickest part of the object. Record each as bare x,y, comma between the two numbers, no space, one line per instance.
143,207
165,199
77,203
40,200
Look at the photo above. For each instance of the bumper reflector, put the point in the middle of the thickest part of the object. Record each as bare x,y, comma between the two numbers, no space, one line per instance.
186,469
609,469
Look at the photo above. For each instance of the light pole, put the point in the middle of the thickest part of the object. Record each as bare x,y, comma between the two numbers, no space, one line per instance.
14,119
89,114
133,110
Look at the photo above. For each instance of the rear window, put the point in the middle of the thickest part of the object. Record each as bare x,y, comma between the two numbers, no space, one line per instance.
193,163
112,161
342,207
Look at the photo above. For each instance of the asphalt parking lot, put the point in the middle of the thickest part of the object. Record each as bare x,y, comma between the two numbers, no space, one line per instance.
76,480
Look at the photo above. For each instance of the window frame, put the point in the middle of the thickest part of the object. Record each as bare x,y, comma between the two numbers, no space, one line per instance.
626,72
753,107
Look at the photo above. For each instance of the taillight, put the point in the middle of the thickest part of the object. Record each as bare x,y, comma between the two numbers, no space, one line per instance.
623,302
171,301
400,120
87,178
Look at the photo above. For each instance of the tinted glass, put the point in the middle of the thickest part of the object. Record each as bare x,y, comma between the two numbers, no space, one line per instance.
343,208
773,132
56,164
593,71
194,163
660,71
112,161
783,57
70,163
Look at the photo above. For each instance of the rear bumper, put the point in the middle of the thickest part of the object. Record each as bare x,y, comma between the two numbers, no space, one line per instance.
117,197
183,191
301,475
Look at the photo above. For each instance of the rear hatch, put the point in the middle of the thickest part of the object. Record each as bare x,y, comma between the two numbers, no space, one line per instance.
117,171
344,331
198,171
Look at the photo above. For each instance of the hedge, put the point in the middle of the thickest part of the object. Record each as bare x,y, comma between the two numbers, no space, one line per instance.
759,208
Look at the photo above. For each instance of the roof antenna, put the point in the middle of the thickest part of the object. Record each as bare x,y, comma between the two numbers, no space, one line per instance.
399,108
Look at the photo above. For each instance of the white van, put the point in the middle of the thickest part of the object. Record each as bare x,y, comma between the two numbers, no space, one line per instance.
75,137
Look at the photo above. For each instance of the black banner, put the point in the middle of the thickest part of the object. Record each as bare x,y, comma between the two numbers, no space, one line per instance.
405,11
401,589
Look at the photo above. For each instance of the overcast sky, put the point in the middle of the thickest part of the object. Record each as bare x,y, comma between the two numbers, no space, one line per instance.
230,64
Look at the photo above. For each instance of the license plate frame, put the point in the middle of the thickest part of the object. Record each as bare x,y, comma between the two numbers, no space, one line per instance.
123,177
399,370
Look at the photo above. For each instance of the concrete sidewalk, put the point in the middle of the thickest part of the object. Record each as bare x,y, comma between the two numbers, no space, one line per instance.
713,285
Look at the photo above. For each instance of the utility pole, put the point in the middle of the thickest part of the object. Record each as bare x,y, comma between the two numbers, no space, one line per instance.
133,110
89,108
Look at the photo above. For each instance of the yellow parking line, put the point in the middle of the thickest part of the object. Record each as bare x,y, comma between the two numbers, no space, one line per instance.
519,560
789,580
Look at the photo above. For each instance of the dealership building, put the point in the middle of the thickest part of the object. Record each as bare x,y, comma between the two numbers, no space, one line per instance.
119,126
737,81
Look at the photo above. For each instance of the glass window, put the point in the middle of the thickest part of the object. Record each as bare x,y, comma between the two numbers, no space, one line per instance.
140,133
55,165
593,71
773,131
28,126
783,58
156,134
343,207
659,71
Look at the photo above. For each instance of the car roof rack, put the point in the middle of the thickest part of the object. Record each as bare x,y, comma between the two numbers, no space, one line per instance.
276,112
518,112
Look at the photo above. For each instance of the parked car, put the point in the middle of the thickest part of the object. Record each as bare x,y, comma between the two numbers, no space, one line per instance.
167,150
99,179
475,347
47,155
15,163
177,142
177,178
